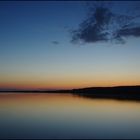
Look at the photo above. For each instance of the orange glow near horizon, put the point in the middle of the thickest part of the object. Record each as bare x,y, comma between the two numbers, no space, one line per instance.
68,83
68,80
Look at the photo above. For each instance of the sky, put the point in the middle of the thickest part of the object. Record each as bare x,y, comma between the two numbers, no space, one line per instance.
37,51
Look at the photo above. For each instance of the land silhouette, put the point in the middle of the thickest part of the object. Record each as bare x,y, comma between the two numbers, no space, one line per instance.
117,92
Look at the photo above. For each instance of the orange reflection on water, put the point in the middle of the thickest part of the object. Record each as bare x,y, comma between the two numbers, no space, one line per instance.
68,105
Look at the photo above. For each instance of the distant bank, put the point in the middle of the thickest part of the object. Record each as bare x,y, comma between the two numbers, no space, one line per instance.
118,92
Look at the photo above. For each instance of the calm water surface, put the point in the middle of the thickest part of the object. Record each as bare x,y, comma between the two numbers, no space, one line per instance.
67,116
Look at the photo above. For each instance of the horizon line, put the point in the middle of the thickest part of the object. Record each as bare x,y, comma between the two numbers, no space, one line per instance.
57,89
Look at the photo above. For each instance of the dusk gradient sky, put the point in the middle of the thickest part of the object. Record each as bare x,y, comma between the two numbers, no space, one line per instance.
36,51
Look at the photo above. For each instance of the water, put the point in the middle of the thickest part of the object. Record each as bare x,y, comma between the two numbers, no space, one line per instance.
67,116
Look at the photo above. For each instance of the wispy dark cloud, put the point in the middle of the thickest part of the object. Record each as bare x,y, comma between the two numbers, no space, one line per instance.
55,42
103,24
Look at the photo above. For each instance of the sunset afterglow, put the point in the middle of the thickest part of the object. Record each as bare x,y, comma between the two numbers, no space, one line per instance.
37,52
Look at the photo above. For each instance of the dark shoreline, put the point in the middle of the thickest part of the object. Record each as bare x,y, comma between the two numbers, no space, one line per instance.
119,92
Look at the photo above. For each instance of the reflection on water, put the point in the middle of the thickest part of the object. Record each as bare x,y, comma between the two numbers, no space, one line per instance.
67,116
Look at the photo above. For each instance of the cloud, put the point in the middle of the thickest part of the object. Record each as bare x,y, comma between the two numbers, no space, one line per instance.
105,25
55,42
130,32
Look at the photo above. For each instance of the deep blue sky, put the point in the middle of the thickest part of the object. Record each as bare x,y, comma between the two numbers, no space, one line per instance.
36,49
